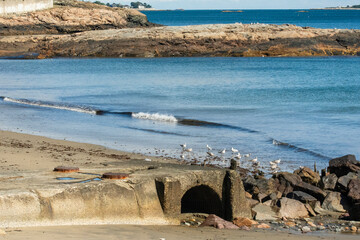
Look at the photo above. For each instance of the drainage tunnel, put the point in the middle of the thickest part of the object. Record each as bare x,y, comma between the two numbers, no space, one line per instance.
201,199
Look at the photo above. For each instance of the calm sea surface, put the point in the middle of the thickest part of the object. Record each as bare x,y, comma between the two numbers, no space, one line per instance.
309,105
312,18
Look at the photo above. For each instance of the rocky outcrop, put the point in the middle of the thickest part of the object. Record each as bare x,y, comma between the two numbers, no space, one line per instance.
329,182
290,208
343,165
288,182
70,16
262,212
302,197
224,40
334,201
354,190
307,175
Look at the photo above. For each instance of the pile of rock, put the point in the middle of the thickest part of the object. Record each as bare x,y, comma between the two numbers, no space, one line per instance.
305,193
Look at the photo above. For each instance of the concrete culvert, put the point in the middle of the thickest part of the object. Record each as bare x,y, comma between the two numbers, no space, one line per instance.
201,199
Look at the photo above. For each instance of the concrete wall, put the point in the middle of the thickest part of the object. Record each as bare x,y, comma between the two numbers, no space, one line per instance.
20,6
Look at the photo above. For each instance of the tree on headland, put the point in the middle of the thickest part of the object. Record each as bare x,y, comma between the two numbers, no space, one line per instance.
132,4
139,4
98,2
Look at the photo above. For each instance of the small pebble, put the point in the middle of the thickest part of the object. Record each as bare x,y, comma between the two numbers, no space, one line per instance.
353,229
263,225
305,229
320,228
311,224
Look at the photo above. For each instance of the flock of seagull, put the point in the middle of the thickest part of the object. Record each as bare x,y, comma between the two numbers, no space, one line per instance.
243,160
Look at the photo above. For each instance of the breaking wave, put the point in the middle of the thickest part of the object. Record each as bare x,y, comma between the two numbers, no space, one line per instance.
298,149
73,108
155,117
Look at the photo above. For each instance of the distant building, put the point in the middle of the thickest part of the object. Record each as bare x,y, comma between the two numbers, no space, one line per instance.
20,6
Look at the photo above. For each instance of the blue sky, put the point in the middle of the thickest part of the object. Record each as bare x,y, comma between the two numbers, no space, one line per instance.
241,4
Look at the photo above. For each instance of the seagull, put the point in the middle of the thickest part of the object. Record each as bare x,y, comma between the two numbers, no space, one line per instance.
274,166
254,160
210,154
277,161
247,155
238,156
183,145
234,150
208,147
223,151
188,150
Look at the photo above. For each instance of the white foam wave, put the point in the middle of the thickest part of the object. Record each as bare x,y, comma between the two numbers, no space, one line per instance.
51,105
155,117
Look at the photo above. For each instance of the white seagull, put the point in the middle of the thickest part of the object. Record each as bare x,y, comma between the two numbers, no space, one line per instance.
274,166
208,147
277,161
247,155
254,160
238,156
234,150
183,145
188,150
223,151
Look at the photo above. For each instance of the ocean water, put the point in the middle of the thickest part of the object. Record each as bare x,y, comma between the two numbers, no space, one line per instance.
309,106
349,19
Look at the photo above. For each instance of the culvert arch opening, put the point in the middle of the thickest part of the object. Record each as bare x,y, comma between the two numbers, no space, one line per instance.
201,199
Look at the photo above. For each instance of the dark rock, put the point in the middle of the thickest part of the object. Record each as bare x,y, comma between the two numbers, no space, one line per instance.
302,197
293,179
273,196
214,221
260,185
290,208
334,201
354,212
343,165
285,182
308,175
259,197
329,182
343,182
354,190
312,190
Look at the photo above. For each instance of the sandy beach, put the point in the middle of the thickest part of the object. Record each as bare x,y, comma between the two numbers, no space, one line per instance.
23,154
156,232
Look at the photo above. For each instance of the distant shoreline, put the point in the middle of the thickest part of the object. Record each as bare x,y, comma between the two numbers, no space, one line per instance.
334,8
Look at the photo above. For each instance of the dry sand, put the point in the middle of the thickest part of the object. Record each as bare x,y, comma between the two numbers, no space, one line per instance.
22,153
